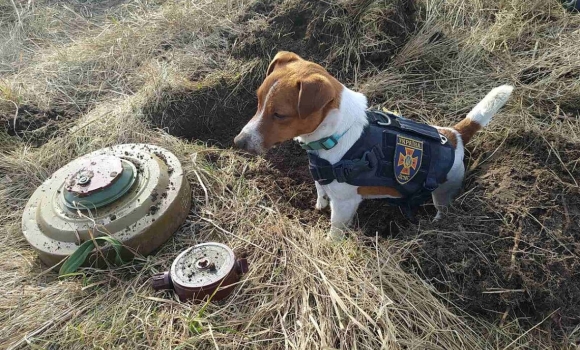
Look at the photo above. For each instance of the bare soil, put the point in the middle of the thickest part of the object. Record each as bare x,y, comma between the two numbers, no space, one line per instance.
33,124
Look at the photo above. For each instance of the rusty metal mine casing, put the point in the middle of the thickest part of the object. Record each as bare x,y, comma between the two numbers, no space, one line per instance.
135,193
201,270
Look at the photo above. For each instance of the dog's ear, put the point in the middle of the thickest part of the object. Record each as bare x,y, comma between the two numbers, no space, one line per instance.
282,58
316,92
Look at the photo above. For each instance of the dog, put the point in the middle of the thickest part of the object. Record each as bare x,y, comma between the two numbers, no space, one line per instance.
300,100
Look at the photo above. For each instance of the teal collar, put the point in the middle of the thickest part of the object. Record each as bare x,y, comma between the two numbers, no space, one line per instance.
325,143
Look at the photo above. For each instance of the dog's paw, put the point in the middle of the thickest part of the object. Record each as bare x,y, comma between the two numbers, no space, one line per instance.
321,203
335,235
438,217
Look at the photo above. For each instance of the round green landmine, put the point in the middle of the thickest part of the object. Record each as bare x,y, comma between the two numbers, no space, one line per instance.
135,193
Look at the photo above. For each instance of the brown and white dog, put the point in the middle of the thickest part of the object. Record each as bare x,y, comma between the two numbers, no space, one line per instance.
300,100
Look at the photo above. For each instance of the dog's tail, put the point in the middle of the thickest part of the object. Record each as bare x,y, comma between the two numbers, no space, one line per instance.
482,113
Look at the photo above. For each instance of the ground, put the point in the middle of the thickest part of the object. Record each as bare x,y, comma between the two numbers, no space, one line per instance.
498,272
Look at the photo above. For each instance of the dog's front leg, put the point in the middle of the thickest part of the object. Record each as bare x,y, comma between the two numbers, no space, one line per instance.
342,212
322,198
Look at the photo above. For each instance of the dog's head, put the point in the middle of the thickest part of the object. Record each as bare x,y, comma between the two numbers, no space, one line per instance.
293,100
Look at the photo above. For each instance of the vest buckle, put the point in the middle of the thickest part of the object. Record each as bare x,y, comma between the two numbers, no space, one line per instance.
382,119
387,123
346,170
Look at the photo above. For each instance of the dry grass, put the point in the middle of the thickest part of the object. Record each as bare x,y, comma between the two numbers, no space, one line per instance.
107,69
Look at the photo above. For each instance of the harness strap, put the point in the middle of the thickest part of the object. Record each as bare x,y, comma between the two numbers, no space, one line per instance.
432,182
344,170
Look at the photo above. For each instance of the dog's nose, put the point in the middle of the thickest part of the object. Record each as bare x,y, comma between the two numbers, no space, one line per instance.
241,141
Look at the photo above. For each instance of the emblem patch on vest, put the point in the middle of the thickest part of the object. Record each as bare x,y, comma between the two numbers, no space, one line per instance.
408,156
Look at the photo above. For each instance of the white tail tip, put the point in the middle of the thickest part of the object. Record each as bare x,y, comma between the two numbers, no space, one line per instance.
491,103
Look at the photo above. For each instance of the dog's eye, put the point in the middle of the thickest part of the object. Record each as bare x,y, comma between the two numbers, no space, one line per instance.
278,116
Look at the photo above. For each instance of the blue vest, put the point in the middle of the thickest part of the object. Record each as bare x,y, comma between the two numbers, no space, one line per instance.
394,152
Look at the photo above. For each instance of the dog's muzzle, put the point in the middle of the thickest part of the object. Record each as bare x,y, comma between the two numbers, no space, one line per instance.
246,142
241,141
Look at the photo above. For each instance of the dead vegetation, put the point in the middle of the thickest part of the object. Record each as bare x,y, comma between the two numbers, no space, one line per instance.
499,272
